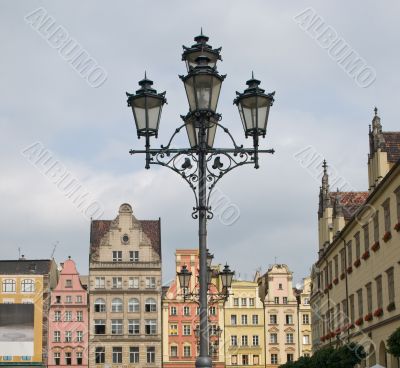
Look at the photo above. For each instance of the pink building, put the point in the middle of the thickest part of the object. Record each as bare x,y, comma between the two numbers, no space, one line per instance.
68,320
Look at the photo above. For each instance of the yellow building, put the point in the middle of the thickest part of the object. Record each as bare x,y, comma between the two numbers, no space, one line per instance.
244,327
24,302
355,281
304,318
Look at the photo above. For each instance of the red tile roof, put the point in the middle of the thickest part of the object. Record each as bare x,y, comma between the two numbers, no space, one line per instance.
392,145
350,202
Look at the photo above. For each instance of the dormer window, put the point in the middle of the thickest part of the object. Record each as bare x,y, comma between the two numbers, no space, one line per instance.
68,283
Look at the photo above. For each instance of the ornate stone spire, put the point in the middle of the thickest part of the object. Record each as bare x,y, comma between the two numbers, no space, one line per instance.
325,186
337,207
376,139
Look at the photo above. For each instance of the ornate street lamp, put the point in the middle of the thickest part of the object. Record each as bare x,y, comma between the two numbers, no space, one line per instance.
210,257
184,279
202,165
226,277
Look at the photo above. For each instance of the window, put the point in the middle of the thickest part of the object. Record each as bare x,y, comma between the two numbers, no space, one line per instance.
234,359
173,351
7,357
117,355
68,359
235,302
27,286
289,357
134,256
68,283
116,327
357,242
255,340
68,316
342,260
173,329
186,311
117,282
349,254
336,266
379,298
116,305
9,286
99,305
330,271
273,319
68,299
280,287
151,354
133,283
352,313
100,283
68,336
99,326
274,358
369,297
256,359
289,338
245,341
100,355
234,340
57,316
150,282
79,336
306,301
79,316
276,300
376,226
273,338
117,256
151,326
213,311
150,305
244,319
245,359
243,302
285,300
233,319
386,214
133,305
57,336
289,319
186,351
306,339
56,358
133,327
79,357
134,354
172,311
360,303
79,299
186,330
390,279
58,299
255,319
306,319
251,302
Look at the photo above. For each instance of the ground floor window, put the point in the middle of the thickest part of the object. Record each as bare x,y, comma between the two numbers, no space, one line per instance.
79,358
68,359
274,358
134,354
56,358
289,357
100,355
117,354
151,354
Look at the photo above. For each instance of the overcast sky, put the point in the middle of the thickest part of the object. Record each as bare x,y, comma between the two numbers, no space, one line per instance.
89,130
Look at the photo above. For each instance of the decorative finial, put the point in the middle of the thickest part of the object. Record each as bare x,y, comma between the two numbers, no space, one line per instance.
69,257
324,165
145,75
252,75
201,31
376,111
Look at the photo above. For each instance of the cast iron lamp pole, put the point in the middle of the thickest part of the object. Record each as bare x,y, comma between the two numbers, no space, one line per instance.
201,165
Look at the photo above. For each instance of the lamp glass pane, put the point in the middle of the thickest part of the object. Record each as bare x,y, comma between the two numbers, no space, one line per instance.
191,132
215,93
154,107
203,87
211,135
139,113
190,92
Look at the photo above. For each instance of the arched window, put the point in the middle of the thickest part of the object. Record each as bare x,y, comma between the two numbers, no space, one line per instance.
151,305
116,305
9,286
27,286
133,305
100,305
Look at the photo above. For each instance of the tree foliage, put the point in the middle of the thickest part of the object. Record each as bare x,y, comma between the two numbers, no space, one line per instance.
393,343
346,356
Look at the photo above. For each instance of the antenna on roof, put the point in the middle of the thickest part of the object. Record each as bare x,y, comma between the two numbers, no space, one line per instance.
19,252
54,249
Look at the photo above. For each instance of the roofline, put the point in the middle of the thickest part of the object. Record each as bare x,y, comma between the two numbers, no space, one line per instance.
368,200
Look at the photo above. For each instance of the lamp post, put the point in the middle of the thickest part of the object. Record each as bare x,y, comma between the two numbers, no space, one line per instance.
202,165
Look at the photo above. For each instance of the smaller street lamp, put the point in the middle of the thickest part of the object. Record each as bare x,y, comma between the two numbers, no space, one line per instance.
226,277
210,257
184,279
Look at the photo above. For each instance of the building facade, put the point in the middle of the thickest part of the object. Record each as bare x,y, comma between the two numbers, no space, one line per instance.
285,327
125,292
244,326
304,318
24,305
181,317
68,320
355,281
